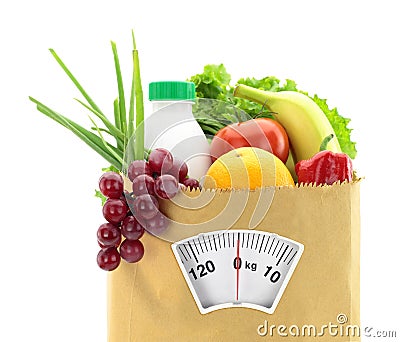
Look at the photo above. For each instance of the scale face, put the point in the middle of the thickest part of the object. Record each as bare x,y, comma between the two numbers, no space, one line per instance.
237,268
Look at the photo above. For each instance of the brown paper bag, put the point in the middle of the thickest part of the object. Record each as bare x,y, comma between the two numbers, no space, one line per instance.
151,300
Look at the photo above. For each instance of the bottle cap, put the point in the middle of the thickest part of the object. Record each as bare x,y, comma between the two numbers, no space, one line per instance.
172,91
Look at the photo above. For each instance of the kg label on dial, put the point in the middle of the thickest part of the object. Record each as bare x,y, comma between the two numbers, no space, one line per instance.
237,268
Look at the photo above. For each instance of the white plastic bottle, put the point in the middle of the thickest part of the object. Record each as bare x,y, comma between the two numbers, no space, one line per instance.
173,127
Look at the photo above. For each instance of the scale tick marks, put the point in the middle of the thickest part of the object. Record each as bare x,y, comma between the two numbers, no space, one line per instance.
215,244
261,243
194,254
288,263
280,249
184,245
287,246
205,245
183,254
272,243
275,248
252,241
209,240
288,254
258,238
267,243
202,251
195,244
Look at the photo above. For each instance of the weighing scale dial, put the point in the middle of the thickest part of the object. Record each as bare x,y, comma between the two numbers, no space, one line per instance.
237,268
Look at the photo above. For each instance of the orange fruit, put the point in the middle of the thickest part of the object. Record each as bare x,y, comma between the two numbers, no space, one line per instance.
247,168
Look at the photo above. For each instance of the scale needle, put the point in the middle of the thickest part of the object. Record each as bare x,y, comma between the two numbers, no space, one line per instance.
237,268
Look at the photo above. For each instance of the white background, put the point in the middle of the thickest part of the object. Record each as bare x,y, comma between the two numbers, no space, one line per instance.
346,51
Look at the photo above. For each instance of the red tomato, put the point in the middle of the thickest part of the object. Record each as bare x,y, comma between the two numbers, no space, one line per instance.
263,133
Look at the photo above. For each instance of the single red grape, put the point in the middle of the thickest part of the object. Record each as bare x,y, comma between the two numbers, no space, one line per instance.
157,224
108,235
131,250
143,184
160,160
138,167
108,259
131,228
145,207
179,170
115,210
191,183
111,184
166,186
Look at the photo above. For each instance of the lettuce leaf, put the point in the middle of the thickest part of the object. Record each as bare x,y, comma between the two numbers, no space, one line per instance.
215,83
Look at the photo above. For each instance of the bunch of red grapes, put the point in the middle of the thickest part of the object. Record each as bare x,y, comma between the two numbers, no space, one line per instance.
128,215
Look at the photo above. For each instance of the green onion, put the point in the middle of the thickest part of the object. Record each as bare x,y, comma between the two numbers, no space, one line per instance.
139,137
88,137
112,129
121,96
131,115
124,123
117,120
75,81
109,149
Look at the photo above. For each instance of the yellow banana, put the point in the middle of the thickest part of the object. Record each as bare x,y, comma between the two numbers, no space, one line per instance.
304,122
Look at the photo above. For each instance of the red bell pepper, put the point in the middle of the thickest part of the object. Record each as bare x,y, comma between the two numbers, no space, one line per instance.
326,167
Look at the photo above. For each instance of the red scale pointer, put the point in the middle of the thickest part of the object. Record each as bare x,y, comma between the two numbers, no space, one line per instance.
237,268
